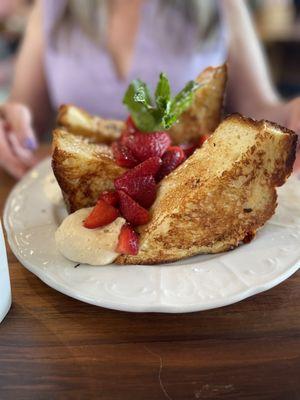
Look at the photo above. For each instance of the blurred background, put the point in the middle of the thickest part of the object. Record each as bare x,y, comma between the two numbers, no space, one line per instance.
277,22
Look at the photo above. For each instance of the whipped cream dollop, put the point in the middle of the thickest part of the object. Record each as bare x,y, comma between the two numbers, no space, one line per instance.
88,246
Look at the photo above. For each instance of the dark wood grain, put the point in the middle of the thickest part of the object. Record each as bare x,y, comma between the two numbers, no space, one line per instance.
54,347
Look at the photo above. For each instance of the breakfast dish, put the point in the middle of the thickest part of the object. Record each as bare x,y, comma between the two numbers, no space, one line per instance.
198,185
176,182
35,209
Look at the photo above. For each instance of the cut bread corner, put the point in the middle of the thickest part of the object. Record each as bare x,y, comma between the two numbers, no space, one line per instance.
83,170
204,115
80,122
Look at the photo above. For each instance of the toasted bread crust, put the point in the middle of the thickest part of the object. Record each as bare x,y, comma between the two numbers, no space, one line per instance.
82,170
289,147
221,195
204,115
96,129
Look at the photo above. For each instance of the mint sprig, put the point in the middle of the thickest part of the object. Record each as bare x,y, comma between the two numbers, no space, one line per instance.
161,113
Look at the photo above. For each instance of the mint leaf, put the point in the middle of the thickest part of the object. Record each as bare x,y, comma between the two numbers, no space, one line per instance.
142,94
166,111
180,103
138,100
137,96
163,93
184,98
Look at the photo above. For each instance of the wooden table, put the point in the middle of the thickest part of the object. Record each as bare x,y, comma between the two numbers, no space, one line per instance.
53,347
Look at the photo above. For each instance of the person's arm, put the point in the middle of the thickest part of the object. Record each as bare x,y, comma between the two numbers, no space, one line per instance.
250,90
29,85
28,108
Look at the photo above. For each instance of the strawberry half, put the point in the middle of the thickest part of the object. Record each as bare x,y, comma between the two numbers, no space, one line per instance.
202,139
141,188
146,145
130,129
102,214
172,158
123,155
128,241
132,211
130,126
148,167
110,197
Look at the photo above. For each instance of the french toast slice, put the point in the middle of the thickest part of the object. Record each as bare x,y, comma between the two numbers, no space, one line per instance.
204,115
221,195
83,170
96,129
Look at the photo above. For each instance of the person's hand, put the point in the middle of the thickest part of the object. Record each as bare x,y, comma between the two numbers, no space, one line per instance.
17,139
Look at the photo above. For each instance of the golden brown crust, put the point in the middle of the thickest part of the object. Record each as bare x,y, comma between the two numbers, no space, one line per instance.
82,170
289,146
221,195
96,129
204,115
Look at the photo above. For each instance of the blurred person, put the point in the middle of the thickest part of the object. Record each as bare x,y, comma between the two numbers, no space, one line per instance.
86,52
12,24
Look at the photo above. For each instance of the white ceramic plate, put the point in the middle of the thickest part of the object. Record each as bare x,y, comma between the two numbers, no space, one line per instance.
35,208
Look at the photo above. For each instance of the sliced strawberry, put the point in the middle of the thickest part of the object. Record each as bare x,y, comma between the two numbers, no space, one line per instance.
141,188
102,214
189,148
128,241
132,211
148,167
130,129
146,145
111,197
202,139
172,158
123,155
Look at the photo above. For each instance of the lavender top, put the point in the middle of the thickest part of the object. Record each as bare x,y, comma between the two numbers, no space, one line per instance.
82,72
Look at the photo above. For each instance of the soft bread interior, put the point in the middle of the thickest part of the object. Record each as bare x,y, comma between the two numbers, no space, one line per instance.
83,170
79,122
